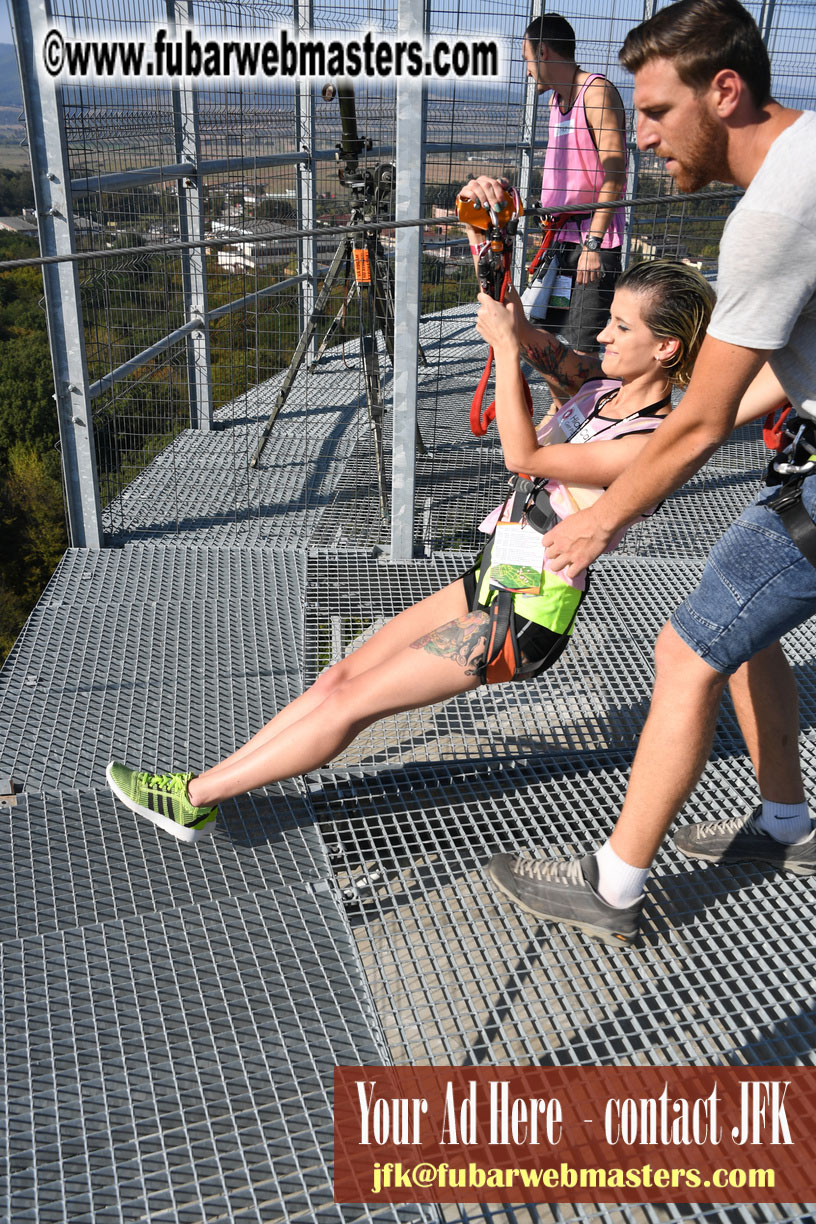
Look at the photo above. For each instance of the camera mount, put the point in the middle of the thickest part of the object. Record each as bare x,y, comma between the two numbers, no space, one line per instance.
360,250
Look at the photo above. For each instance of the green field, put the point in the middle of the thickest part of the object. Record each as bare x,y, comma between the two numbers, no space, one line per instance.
13,153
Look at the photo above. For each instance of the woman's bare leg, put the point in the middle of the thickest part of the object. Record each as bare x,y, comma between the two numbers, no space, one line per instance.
446,605
437,665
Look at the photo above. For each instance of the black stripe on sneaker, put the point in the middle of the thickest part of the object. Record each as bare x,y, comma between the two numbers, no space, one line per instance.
157,802
199,819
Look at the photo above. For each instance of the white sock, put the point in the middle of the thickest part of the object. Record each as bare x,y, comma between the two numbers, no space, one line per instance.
785,822
618,883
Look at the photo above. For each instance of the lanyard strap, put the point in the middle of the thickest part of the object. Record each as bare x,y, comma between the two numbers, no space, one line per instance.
650,410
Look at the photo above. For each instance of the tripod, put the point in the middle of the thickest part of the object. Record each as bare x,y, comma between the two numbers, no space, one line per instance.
373,287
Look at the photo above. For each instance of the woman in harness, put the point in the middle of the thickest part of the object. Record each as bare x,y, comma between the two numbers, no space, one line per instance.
441,646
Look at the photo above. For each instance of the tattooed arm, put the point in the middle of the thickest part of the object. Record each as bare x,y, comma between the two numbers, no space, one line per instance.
564,370
593,463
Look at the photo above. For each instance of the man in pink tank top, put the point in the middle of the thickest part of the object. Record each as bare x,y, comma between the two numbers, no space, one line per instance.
585,163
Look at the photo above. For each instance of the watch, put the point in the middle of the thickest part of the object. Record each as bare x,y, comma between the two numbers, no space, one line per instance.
591,243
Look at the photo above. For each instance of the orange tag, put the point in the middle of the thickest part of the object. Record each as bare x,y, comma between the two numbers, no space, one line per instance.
362,267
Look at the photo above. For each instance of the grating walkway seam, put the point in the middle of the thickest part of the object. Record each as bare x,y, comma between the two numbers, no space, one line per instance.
79,857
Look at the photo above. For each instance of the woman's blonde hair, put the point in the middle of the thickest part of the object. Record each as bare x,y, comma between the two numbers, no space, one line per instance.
677,306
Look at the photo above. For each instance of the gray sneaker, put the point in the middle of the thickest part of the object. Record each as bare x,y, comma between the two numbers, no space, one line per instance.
564,890
740,840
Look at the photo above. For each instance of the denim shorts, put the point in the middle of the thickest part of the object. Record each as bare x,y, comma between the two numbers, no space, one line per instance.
756,586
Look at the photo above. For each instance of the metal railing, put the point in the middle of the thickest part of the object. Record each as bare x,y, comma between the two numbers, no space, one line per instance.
183,233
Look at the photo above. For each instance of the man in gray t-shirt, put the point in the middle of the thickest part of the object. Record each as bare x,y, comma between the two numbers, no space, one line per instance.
767,273
702,93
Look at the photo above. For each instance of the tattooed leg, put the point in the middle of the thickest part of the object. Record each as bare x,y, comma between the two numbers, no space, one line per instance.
464,641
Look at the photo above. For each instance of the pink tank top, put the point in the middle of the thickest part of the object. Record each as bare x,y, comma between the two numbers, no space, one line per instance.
573,173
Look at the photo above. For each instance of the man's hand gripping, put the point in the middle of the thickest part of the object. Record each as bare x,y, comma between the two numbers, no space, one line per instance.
577,541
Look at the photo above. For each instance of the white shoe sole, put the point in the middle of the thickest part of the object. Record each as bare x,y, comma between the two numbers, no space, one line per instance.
182,832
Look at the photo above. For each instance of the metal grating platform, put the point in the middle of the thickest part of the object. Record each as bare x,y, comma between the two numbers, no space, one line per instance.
316,481
460,977
571,1213
596,697
175,655
743,452
692,520
178,1065
173,1015
202,491
76,859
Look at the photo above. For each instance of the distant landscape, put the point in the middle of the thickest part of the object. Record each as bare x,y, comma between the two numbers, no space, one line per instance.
10,92
13,154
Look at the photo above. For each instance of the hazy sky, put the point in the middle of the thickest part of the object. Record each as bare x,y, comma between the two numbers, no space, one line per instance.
792,43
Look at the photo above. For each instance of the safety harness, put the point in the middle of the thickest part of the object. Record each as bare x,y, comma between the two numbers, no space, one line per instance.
794,440
503,658
530,498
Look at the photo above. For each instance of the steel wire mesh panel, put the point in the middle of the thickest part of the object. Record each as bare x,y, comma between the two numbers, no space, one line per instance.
317,478
177,1066
200,649
133,302
791,43
319,464
125,144
316,481
134,423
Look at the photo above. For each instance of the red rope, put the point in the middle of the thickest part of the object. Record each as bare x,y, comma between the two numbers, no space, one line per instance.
479,421
773,432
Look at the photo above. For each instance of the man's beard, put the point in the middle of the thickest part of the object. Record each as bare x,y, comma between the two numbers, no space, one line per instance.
706,158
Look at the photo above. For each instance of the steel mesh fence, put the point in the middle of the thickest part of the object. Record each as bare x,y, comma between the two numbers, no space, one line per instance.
212,275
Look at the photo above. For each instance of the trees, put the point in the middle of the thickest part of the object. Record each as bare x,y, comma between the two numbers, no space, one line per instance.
32,516
16,193
33,537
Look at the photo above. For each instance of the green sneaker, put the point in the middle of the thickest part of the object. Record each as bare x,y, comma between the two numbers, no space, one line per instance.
162,798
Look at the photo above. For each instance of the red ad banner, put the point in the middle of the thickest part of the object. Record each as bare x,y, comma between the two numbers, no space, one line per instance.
574,1134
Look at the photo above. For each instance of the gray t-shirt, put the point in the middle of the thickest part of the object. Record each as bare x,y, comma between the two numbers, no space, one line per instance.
766,284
